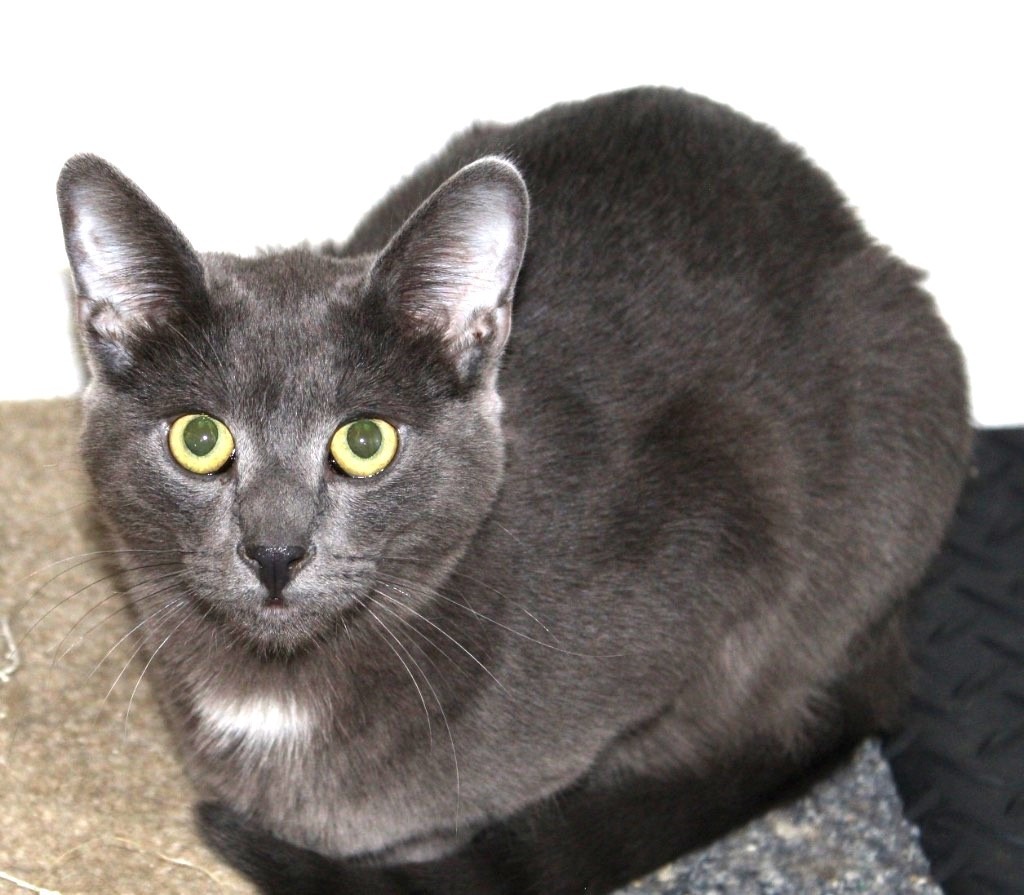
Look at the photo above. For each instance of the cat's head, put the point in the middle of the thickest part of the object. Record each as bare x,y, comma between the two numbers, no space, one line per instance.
290,433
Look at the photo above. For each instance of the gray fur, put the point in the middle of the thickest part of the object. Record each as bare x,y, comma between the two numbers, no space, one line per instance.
671,532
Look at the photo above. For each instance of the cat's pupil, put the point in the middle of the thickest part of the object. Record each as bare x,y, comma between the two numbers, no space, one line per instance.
364,438
200,435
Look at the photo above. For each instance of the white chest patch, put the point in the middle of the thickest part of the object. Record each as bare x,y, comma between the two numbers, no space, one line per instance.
255,720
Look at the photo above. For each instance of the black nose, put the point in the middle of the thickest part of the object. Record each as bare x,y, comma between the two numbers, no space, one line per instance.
275,565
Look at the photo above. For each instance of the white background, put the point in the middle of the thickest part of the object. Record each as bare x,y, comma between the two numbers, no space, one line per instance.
255,125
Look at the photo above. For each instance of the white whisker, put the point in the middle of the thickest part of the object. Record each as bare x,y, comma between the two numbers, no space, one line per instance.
505,627
84,557
437,699
75,593
443,633
135,689
415,683
173,604
434,594
132,600
503,598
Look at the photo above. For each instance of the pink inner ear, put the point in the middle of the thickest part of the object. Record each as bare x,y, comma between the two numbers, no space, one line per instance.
453,265
130,264
113,275
100,269
480,274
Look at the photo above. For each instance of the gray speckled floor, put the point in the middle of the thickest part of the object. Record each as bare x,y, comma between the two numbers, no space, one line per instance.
847,836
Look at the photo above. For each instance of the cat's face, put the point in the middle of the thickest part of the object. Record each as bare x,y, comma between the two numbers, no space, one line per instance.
271,534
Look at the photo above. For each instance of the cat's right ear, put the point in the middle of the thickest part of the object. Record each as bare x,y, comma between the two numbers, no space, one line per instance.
131,266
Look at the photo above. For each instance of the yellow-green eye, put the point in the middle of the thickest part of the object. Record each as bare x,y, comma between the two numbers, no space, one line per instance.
200,443
364,447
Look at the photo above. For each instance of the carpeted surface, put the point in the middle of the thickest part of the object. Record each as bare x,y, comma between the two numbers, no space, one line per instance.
92,796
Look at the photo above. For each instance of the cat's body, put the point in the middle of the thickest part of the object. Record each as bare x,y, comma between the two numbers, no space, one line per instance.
663,551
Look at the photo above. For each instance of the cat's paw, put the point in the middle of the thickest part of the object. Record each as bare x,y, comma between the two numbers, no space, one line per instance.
275,866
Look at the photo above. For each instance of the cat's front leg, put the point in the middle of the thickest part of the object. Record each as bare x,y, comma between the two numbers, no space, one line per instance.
279,868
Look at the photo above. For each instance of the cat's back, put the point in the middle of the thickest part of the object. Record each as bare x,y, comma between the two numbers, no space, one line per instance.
639,169
677,245
661,224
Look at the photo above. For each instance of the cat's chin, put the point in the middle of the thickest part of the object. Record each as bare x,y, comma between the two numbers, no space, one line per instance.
280,628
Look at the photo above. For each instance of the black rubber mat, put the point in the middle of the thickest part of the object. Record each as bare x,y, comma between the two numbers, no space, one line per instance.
959,762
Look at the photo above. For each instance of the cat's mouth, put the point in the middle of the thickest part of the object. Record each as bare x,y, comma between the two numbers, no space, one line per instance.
296,620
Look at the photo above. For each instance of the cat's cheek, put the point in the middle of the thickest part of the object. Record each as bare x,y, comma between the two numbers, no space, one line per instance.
437,508
128,479
188,511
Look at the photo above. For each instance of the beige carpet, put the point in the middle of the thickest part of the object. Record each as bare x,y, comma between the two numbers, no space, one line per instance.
88,803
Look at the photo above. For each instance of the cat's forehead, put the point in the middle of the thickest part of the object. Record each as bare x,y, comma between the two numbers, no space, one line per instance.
296,278
291,338
280,318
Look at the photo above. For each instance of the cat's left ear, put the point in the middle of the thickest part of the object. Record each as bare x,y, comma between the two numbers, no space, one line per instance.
452,268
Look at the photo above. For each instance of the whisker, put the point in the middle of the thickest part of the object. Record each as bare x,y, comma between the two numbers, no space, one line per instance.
443,633
135,689
437,699
135,652
434,594
511,534
415,683
172,604
80,590
505,627
60,511
134,599
421,634
124,607
87,557
456,573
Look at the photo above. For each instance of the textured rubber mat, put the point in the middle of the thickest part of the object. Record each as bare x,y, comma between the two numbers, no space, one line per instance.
959,762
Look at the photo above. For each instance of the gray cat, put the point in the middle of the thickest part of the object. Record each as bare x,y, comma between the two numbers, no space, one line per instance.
474,600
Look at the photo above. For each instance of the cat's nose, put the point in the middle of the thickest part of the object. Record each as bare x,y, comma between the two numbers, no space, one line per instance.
274,565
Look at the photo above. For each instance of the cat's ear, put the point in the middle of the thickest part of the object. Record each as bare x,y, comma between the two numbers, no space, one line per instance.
131,267
453,266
